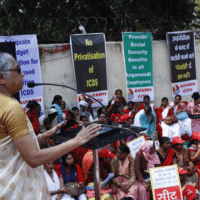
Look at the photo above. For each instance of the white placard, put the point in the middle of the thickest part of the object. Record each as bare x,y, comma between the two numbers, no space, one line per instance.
134,145
165,182
27,56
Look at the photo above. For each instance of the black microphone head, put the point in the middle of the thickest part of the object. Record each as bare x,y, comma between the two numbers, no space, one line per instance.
31,84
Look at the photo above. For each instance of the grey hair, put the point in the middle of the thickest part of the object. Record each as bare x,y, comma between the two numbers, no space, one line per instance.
6,61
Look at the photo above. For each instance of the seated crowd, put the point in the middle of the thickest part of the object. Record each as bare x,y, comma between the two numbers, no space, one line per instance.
171,137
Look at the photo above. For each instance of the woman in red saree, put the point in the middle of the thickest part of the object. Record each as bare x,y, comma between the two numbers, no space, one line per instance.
184,162
146,102
194,151
163,114
193,109
165,153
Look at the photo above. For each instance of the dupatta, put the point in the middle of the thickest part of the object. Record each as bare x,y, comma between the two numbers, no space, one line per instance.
169,158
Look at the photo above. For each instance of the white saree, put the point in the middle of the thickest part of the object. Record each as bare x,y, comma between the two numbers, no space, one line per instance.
170,131
18,181
185,124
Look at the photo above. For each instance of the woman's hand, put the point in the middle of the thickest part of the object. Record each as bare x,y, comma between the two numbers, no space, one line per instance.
64,190
61,124
88,133
80,185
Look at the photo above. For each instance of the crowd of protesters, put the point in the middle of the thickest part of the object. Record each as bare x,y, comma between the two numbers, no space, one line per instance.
171,137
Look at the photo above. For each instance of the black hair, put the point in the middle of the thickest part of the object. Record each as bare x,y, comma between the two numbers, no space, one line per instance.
162,140
178,95
47,120
191,142
195,96
99,111
73,166
109,103
71,113
56,98
88,99
124,148
115,107
148,109
75,108
118,90
32,104
146,96
163,99
64,102
131,102
104,114
83,116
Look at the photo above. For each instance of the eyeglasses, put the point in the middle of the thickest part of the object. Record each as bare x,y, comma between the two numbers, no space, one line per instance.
18,69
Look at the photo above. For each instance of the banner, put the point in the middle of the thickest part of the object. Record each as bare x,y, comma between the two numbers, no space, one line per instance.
89,60
181,47
139,65
27,56
165,183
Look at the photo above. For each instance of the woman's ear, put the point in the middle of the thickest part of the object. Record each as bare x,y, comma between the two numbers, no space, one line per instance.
2,80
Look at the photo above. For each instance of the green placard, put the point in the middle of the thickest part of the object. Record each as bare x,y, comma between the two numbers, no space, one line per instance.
138,59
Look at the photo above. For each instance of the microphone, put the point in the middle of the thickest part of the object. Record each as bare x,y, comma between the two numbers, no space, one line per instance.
32,84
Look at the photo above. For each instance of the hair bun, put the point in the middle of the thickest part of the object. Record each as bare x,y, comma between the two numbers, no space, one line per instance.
195,95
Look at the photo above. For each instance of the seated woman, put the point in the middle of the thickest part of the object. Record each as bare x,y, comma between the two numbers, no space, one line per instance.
183,119
33,116
145,158
146,118
123,166
166,122
105,157
103,117
146,102
75,111
71,123
194,151
117,113
165,153
55,185
130,110
71,172
116,99
183,160
78,152
193,110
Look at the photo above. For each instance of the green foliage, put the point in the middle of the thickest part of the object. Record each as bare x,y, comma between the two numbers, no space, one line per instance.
53,21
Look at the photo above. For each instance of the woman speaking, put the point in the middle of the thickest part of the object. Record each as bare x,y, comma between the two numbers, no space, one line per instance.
21,160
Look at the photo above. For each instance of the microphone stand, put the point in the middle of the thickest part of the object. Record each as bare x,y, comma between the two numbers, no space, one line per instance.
31,84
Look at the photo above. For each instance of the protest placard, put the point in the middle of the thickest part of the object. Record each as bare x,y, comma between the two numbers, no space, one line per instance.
134,145
165,183
182,54
27,56
89,60
139,65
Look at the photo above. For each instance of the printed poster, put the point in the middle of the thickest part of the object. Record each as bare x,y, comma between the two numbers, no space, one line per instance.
165,183
139,65
27,56
182,55
89,60
135,145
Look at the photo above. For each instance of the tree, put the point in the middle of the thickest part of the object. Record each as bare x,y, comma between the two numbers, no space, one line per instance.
53,21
